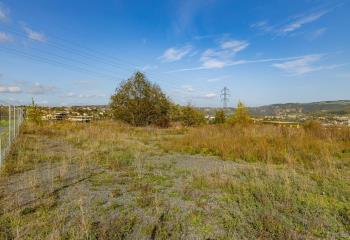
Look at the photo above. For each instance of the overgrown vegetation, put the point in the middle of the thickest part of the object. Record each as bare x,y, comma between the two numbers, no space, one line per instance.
312,147
109,180
34,114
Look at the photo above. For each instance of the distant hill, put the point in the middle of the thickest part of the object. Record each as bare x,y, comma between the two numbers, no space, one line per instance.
339,107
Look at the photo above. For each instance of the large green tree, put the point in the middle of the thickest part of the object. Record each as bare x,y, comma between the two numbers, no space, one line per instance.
139,102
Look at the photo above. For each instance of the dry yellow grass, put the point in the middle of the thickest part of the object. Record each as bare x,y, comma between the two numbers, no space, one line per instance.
267,144
107,180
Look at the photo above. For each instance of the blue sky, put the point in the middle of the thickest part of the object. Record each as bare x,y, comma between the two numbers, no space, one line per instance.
64,52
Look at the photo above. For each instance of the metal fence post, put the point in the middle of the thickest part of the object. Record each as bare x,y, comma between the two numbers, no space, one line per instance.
0,150
9,125
14,123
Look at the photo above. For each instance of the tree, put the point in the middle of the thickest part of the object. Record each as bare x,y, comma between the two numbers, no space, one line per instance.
219,117
192,117
241,115
139,102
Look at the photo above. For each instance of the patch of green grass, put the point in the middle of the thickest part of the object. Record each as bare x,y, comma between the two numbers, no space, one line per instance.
103,179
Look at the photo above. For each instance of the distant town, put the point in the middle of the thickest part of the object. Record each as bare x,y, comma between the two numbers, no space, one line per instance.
327,113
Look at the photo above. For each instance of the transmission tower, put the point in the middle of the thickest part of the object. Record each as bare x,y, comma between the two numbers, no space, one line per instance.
225,93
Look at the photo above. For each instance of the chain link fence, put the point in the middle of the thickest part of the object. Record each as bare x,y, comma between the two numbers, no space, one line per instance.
11,118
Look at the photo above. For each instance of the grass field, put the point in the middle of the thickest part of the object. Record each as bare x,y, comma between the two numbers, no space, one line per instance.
107,180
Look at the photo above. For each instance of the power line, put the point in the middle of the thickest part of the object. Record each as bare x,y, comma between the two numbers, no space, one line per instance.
84,52
53,62
225,93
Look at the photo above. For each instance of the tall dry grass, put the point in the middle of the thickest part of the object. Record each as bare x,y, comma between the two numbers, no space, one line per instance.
266,143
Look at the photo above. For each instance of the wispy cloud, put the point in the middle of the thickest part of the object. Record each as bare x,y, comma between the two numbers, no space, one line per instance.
35,36
3,12
175,54
223,56
40,89
317,33
301,21
81,95
305,65
10,89
234,45
149,67
263,26
291,25
188,88
299,66
5,37
242,62
210,95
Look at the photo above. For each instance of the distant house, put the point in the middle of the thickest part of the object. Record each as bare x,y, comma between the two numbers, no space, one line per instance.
82,118
60,116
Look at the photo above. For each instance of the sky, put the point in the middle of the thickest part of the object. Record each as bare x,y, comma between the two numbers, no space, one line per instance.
63,52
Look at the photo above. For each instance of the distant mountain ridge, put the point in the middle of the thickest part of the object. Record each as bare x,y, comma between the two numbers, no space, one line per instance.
339,107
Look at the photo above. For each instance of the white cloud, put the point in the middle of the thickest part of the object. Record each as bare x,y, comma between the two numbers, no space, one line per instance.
76,95
149,67
263,26
300,21
234,45
175,54
223,56
299,66
210,95
293,24
36,36
10,89
39,89
215,59
305,65
5,38
240,62
188,88
3,13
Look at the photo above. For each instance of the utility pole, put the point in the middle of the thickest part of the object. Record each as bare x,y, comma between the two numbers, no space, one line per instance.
225,93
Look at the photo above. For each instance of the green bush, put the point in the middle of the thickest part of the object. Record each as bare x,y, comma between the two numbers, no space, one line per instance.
139,102
192,117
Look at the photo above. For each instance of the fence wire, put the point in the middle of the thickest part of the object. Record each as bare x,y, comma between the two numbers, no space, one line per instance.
11,119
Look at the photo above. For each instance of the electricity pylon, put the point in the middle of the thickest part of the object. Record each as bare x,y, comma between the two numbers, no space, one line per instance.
225,93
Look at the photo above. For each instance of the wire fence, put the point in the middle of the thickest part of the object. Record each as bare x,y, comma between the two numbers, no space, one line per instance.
11,119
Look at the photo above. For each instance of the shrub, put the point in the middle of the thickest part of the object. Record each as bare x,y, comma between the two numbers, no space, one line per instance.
34,113
241,115
312,125
192,117
139,102
219,117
